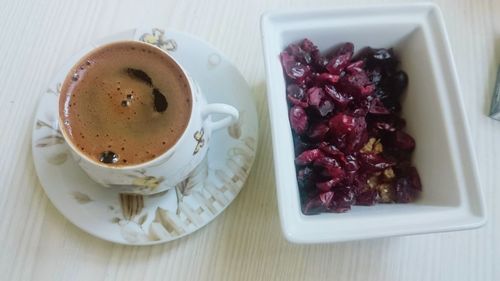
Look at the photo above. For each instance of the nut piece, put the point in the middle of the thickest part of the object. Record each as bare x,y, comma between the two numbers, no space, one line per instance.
377,147
389,173
372,146
386,193
372,182
368,146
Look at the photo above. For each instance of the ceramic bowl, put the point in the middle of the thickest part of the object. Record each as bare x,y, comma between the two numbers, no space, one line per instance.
433,108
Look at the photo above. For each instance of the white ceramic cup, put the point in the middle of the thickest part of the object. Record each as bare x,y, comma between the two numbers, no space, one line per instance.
175,164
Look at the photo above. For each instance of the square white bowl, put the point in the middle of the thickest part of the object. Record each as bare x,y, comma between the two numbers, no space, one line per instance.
433,108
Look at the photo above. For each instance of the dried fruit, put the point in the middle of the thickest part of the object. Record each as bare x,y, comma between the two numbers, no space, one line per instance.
308,156
305,177
342,124
356,84
403,141
319,203
318,100
330,149
374,162
340,100
296,95
340,59
367,198
298,119
343,199
330,168
295,70
347,132
318,131
404,192
327,78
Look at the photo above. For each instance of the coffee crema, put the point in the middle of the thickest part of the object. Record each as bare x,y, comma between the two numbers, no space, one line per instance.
125,103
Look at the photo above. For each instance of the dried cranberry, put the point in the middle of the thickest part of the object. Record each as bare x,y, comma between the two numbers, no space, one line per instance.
404,191
319,203
380,58
356,66
343,198
294,69
326,198
384,126
386,123
330,149
303,52
327,78
313,206
414,178
392,104
318,131
347,133
305,177
375,76
342,124
320,62
336,174
308,46
309,156
326,185
358,137
382,94
315,95
325,108
300,144
375,162
340,59
296,95
356,84
338,98
329,163
377,107
301,73
359,183
298,119
350,131
396,83
367,198
403,141
319,101
351,164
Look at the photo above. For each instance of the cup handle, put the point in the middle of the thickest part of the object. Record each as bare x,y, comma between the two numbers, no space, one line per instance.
219,108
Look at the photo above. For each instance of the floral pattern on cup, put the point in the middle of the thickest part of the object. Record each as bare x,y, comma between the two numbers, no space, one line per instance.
156,37
200,140
141,183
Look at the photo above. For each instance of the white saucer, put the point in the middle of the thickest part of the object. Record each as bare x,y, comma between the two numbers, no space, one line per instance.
138,220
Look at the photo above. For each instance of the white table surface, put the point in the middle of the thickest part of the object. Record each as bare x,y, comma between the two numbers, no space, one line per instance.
245,242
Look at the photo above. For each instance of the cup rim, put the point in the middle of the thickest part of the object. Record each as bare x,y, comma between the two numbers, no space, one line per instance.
153,162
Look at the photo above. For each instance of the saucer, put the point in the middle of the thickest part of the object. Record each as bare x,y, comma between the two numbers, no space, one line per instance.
146,220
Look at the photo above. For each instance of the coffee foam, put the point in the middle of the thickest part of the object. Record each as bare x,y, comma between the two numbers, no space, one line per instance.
110,109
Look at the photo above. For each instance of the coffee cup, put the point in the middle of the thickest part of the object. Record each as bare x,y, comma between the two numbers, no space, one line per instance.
134,120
